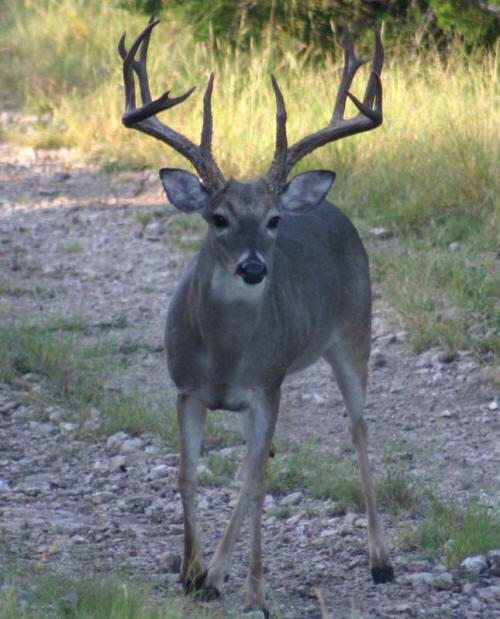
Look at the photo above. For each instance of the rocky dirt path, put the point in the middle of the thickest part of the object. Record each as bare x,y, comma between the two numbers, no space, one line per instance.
72,244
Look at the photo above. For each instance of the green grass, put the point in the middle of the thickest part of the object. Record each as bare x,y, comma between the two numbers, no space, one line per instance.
321,474
33,595
221,470
73,373
453,532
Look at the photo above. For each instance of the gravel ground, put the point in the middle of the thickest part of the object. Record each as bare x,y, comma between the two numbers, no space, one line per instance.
71,243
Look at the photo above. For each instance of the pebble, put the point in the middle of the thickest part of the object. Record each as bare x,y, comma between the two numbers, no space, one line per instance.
476,565
381,233
443,581
130,445
170,562
291,499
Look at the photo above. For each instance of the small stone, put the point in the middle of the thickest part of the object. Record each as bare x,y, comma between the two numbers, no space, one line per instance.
117,463
68,428
328,533
468,588
443,581
102,497
130,445
4,485
160,471
254,614
291,499
419,578
115,440
493,406
489,594
381,233
493,557
455,246
350,518
379,360
170,562
476,565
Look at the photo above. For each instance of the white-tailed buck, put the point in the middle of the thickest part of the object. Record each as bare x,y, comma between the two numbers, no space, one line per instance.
281,279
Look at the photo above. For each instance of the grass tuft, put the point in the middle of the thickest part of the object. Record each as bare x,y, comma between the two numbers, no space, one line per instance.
452,532
74,374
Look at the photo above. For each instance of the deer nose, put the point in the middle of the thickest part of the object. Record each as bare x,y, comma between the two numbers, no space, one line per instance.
252,271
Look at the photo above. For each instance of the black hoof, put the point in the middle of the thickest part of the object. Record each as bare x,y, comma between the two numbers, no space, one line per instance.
208,594
262,609
194,584
382,574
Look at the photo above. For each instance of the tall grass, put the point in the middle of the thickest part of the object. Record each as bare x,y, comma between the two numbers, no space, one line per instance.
430,173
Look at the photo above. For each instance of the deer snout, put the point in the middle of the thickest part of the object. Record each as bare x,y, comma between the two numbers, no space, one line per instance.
252,271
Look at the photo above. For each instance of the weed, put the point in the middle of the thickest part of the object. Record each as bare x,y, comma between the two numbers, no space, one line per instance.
30,595
454,532
396,489
220,470
320,474
220,431
283,512
135,414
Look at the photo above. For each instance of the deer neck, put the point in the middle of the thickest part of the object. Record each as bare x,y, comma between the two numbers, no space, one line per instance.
228,311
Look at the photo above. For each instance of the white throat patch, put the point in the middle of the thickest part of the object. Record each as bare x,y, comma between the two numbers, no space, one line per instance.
230,288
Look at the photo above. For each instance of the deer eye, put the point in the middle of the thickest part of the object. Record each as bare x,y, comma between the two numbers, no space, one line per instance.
273,223
219,221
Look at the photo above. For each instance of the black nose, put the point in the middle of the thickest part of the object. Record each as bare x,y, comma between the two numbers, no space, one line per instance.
252,271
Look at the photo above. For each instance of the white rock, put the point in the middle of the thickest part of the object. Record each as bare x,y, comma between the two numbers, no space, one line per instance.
131,444
475,565
419,578
116,439
443,581
291,499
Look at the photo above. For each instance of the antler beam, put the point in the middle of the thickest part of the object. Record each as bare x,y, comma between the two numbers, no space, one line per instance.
144,118
369,117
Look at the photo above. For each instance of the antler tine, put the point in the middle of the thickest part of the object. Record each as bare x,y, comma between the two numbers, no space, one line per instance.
278,164
212,171
369,117
144,118
351,65
374,88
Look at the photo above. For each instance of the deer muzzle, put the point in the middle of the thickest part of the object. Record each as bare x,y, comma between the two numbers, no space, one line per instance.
252,271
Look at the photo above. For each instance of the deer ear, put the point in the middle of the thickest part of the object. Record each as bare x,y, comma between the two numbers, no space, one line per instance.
184,190
307,190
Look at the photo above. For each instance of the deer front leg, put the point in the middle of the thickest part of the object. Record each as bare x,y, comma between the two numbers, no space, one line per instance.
261,420
351,371
380,567
191,417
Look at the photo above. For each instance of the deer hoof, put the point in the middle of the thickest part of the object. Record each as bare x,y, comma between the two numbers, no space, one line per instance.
209,593
193,584
382,574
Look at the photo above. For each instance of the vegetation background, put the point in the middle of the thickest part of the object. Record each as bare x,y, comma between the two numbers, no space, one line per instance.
428,180
430,175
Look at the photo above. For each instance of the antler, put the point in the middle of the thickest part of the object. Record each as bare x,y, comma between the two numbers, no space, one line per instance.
144,118
369,117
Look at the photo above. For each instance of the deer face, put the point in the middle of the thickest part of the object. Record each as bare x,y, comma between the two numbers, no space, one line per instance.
244,218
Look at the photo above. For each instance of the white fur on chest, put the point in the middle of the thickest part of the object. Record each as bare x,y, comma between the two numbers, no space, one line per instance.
230,288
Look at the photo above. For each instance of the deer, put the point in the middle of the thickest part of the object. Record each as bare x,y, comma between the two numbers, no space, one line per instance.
281,279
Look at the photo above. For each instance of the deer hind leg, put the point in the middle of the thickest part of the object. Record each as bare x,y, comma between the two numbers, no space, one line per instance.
351,375
259,426
191,416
